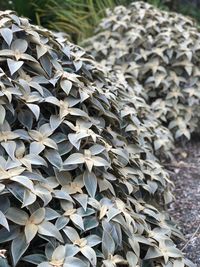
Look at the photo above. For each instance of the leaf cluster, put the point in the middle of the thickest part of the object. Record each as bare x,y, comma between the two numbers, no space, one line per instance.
79,181
159,50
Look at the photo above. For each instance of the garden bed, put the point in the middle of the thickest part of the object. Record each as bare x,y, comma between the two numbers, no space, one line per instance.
185,210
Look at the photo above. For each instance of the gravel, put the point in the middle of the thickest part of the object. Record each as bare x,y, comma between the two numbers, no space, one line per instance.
185,210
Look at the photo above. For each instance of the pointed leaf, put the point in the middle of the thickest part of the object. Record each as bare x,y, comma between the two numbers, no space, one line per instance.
3,221
48,229
7,35
30,231
18,247
14,65
90,254
71,233
66,85
23,180
76,158
90,182
17,216
54,158
35,109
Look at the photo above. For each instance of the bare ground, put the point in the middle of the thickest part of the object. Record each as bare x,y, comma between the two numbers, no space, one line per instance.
185,210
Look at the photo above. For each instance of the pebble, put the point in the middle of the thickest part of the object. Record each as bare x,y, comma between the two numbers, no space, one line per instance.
186,208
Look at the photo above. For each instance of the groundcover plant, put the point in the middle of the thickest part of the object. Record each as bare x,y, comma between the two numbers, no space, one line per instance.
76,188
160,50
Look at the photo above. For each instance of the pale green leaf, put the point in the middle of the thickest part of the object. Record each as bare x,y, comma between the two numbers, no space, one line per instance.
18,248
7,35
14,65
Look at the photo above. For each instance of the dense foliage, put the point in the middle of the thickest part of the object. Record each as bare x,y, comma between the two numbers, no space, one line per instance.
79,180
78,18
159,50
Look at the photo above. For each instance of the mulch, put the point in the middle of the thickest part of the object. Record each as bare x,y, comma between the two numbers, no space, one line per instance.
185,210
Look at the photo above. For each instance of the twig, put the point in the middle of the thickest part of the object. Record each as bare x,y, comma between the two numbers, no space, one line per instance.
191,238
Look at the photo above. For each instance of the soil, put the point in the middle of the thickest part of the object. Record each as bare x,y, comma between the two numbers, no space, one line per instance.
185,210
